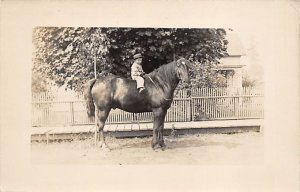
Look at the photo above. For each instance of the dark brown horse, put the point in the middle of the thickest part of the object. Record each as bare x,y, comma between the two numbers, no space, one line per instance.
116,92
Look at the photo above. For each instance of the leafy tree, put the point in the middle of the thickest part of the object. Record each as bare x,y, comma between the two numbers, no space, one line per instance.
205,75
67,55
248,81
38,83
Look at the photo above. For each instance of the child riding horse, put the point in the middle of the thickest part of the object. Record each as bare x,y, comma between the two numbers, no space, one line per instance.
117,92
137,72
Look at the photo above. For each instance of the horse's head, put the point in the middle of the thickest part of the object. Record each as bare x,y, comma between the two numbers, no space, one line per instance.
182,72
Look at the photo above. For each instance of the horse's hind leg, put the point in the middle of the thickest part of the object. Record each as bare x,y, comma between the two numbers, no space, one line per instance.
101,118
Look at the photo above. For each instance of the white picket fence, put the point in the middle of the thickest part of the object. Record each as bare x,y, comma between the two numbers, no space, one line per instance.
188,105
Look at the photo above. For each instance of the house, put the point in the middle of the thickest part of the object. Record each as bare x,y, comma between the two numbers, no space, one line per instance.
231,65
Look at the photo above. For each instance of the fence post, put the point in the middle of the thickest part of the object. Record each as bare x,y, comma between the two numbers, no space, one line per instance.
190,100
72,113
192,106
237,103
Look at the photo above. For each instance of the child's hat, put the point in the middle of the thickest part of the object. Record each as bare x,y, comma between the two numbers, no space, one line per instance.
136,56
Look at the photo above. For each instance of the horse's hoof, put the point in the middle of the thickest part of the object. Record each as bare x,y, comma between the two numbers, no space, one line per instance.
162,144
163,147
103,146
106,149
99,144
153,144
157,147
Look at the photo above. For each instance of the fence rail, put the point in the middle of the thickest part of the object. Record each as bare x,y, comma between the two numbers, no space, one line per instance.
188,105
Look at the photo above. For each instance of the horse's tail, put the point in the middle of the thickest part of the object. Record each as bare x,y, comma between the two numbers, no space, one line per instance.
89,99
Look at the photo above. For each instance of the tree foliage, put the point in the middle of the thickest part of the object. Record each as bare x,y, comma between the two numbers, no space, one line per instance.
249,81
39,84
66,55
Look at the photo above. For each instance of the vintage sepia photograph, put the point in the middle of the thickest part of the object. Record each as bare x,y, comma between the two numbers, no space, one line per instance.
124,95
149,95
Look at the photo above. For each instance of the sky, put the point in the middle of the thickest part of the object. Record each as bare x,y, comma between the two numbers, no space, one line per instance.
253,48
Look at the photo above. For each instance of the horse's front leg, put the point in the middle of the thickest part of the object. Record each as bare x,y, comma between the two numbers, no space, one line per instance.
158,127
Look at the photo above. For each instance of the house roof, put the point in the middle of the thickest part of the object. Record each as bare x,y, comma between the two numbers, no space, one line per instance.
234,47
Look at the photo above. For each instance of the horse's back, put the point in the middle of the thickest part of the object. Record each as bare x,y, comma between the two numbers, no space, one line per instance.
117,92
127,97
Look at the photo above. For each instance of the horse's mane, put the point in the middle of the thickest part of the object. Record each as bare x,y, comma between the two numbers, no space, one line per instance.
165,74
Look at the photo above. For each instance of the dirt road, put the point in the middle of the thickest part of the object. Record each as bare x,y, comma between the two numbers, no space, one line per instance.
231,149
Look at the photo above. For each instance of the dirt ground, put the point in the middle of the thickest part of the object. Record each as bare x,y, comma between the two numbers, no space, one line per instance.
202,149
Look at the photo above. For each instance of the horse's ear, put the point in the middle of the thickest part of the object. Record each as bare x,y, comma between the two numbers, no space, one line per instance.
176,57
187,63
178,62
181,61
